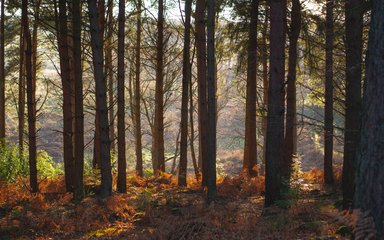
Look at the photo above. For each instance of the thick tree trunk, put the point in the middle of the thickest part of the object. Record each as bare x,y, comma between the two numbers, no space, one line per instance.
201,48
250,143
2,75
137,111
122,164
101,100
353,34
328,109
158,134
290,141
211,96
79,113
370,154
275,124
182,177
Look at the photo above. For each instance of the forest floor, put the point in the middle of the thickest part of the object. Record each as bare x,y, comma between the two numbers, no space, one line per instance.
155,208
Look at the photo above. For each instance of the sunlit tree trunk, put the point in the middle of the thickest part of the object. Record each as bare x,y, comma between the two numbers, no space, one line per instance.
192,135
275,124
122,164
182,178
353,35
250,143
101,100
2,75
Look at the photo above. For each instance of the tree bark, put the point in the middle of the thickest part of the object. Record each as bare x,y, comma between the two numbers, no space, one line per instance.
211,96
275,123
250,143
290,141
353,34
122,164
182,177
328,109
21,98
101,100
2,75
158,135
370,154
137,111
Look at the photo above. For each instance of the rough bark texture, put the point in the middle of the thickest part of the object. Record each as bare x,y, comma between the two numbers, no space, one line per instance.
182,177
122,164
353,34
275,128
201,49
79,113
328,109
370,154
211,96
137,112
250,143
158,134
2,75
101,100
290,141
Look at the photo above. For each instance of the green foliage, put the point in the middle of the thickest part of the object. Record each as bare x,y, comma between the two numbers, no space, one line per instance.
290,194
46,167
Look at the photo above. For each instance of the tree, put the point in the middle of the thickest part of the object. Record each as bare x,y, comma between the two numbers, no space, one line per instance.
101,100
201,59
2,74
21,97
328,109
137,111
182,178
158,135
290,141
211,96
79,113
122,164
250,143
275,123
370,154
353,35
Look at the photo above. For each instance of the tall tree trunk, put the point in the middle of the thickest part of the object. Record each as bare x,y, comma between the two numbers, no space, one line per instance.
275,124
328,109
290,141
68,118
21,98
2,75
353,34
211,96
31,102
250,143
201,47
101,100
158,135
182,178
79,113
122,164
192,136
137,115
370,154
109,73
264,54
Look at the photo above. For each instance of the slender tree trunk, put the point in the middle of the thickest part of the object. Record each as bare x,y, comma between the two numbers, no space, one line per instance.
201,48
211,96
137,115
30,101
353,34
21,99
370,154
122,164
2,75
158,134
182,178
275,124
264,54
68,118
192,136
290,141
328,109
250,143
101,100
79,113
